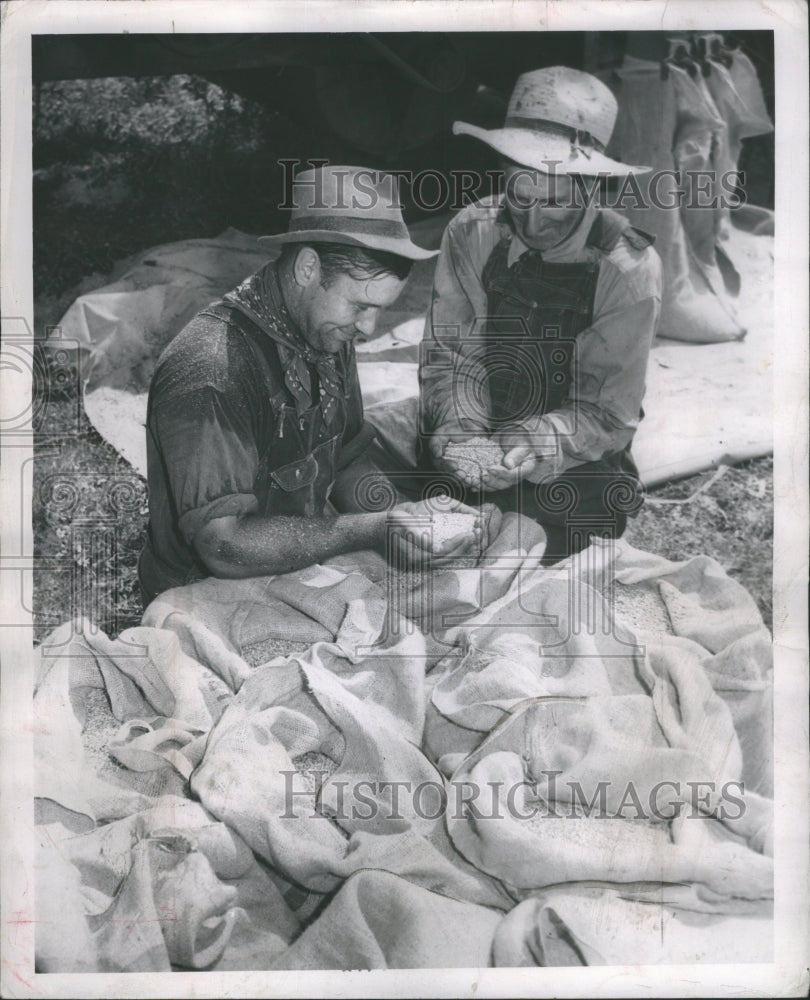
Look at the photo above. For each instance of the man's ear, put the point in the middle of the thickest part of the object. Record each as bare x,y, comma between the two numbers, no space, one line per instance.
306,267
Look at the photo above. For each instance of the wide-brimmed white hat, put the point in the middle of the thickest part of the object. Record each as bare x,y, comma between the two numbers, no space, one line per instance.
559,120
351,205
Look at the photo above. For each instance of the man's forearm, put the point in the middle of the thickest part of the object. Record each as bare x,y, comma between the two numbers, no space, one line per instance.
235,548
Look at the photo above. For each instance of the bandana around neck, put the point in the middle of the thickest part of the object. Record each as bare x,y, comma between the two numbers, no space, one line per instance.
259,298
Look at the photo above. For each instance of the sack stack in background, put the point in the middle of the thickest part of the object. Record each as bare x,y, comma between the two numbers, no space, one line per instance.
675,119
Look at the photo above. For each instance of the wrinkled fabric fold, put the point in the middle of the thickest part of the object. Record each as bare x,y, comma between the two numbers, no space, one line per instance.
331,807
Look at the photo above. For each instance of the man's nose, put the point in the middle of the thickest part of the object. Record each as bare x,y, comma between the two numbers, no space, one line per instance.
366,323
534,217
543,215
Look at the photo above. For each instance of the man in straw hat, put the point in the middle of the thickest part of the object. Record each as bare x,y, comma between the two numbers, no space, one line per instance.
255,429
544,308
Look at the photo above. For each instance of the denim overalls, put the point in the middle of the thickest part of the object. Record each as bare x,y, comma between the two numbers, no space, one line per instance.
536,310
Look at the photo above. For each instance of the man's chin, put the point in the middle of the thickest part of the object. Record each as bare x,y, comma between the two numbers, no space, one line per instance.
334,343
546,241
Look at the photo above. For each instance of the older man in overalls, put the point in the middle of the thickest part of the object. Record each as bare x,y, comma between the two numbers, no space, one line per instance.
543,312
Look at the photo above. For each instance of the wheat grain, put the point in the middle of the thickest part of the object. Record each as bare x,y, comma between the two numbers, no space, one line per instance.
448,525
472,457
641,609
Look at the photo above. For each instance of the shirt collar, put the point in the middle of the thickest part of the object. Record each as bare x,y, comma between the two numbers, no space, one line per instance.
260,298
516,248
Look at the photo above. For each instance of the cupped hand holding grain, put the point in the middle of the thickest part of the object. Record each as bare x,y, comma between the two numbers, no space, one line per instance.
451,533
443,438
462,545
438,441
433,531
492,464
451,528
472,459
519,460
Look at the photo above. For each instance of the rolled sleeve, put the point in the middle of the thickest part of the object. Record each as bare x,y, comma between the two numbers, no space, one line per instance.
236,505
208,449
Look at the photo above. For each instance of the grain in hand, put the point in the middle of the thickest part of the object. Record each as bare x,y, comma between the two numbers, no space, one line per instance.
472,457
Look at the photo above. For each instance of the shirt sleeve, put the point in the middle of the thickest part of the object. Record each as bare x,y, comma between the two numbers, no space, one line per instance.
208,448
602,410
451,371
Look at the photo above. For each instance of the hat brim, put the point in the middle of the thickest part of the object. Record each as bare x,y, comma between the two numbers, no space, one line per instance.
547,152
386,244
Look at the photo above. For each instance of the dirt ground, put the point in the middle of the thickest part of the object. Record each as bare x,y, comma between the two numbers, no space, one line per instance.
731,520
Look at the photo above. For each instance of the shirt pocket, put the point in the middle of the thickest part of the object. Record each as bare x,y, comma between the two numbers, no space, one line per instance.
295,475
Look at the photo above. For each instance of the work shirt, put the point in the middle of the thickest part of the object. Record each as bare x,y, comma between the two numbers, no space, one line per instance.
244,417
601,407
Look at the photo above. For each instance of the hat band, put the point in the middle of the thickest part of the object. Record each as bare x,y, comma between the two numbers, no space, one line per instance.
579,137
349,224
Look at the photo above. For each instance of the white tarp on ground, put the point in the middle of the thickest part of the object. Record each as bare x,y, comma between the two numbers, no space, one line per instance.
705,404
168,837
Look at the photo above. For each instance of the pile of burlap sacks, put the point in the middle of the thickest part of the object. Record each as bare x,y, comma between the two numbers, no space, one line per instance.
367,800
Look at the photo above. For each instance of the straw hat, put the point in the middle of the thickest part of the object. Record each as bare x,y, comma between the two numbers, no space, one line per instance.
558,120
354,205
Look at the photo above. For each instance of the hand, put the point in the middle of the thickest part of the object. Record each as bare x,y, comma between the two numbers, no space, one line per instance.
519,460
408,531
438,442
466,544
491,518
469,461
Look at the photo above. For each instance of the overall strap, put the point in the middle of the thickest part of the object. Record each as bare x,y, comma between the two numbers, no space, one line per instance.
496,263
530,368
